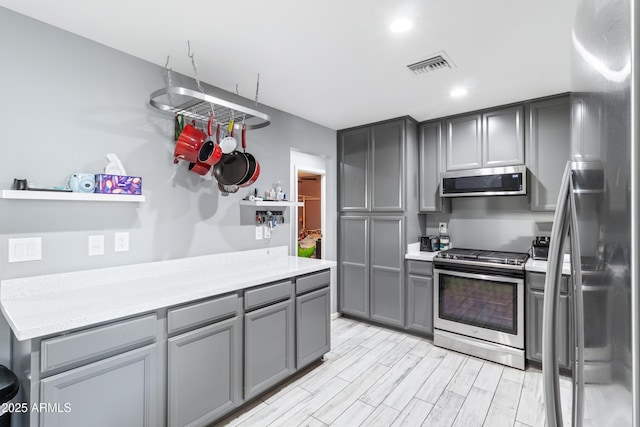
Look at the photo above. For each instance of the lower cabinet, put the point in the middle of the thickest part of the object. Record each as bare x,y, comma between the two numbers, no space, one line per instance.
269,347
313,328
420,297
220,352
116,391
372,268
534,309
204,376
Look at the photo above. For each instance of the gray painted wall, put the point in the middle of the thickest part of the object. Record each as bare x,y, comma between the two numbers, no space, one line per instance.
66,103
507,226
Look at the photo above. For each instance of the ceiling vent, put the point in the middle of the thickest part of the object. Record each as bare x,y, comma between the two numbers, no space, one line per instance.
433,63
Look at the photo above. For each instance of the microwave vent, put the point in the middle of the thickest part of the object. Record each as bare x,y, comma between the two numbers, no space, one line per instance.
433,63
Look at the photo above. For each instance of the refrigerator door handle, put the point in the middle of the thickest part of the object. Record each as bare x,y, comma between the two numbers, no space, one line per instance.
578,307
550,370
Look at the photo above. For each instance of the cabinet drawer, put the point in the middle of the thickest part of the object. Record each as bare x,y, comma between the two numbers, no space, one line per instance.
94,343
201,313
311,282
422,268
536,281
267,294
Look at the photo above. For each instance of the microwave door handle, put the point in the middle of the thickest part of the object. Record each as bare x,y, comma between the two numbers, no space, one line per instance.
550,370
578,308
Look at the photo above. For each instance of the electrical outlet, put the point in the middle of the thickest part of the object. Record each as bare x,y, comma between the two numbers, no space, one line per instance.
267,232
96,245
258,232
122,241
443,228
26,249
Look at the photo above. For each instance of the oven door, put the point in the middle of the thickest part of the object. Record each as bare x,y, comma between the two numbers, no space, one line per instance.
481,306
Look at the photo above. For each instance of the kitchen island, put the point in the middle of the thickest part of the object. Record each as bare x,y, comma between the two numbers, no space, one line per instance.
191,338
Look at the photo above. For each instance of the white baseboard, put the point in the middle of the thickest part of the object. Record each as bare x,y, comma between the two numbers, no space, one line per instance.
335,315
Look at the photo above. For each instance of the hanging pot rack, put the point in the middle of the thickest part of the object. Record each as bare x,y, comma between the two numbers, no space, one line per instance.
198,106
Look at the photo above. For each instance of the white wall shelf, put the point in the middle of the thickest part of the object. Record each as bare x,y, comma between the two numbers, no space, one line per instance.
271,203
63,195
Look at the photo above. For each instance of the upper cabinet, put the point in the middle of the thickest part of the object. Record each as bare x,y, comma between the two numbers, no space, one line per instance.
548,149
431,157
503,137
586,132
353,154
372,167
464,142
493,138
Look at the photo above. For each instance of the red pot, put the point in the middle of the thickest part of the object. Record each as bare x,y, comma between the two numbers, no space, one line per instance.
199,168
188,144
210,151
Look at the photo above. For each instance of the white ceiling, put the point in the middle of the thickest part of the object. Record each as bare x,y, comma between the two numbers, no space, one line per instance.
335,62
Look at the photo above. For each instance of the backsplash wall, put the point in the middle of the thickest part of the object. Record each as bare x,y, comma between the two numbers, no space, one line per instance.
508,225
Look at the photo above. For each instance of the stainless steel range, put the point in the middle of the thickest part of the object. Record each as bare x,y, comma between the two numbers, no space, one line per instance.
479,304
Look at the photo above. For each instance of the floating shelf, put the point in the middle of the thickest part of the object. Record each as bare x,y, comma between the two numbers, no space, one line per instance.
274,203
63,195
197,105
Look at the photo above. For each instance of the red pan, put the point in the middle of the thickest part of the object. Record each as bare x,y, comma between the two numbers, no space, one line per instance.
210,152
254,167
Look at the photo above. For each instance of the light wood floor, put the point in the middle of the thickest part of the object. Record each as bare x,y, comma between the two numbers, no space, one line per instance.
378,377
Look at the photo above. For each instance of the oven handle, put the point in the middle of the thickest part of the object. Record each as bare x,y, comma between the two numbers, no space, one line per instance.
550,371
487,277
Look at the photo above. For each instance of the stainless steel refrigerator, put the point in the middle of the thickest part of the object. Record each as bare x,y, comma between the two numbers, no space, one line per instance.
596,222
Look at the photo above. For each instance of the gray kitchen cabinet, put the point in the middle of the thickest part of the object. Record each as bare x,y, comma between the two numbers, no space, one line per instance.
387,172
372,235
313,322
354,265
371,166
371,267
488,139
464,142
586,127
534,310
503,137
548,149
431,162
116,391
204,373
420,297
269,355
387,270
353,154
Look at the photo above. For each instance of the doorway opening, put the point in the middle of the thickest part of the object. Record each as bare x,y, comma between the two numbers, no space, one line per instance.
309,214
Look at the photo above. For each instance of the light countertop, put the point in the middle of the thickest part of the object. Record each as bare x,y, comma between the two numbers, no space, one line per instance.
414,253
49,304
541,266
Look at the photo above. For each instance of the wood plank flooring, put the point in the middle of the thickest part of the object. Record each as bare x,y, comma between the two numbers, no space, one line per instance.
378,377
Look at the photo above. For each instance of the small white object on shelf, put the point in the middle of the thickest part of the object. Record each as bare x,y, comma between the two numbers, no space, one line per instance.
270,203
66,195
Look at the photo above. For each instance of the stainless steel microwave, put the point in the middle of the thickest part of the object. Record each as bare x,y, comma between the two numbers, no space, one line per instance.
501,181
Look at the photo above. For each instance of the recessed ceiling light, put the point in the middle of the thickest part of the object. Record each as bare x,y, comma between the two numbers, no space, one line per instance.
458,92
401,25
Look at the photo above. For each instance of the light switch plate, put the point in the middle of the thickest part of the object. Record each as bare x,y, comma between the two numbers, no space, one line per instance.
122,241
443,228
25,249
267,232
96,245
258,232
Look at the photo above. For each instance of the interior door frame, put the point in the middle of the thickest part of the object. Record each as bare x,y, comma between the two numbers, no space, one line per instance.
323,208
